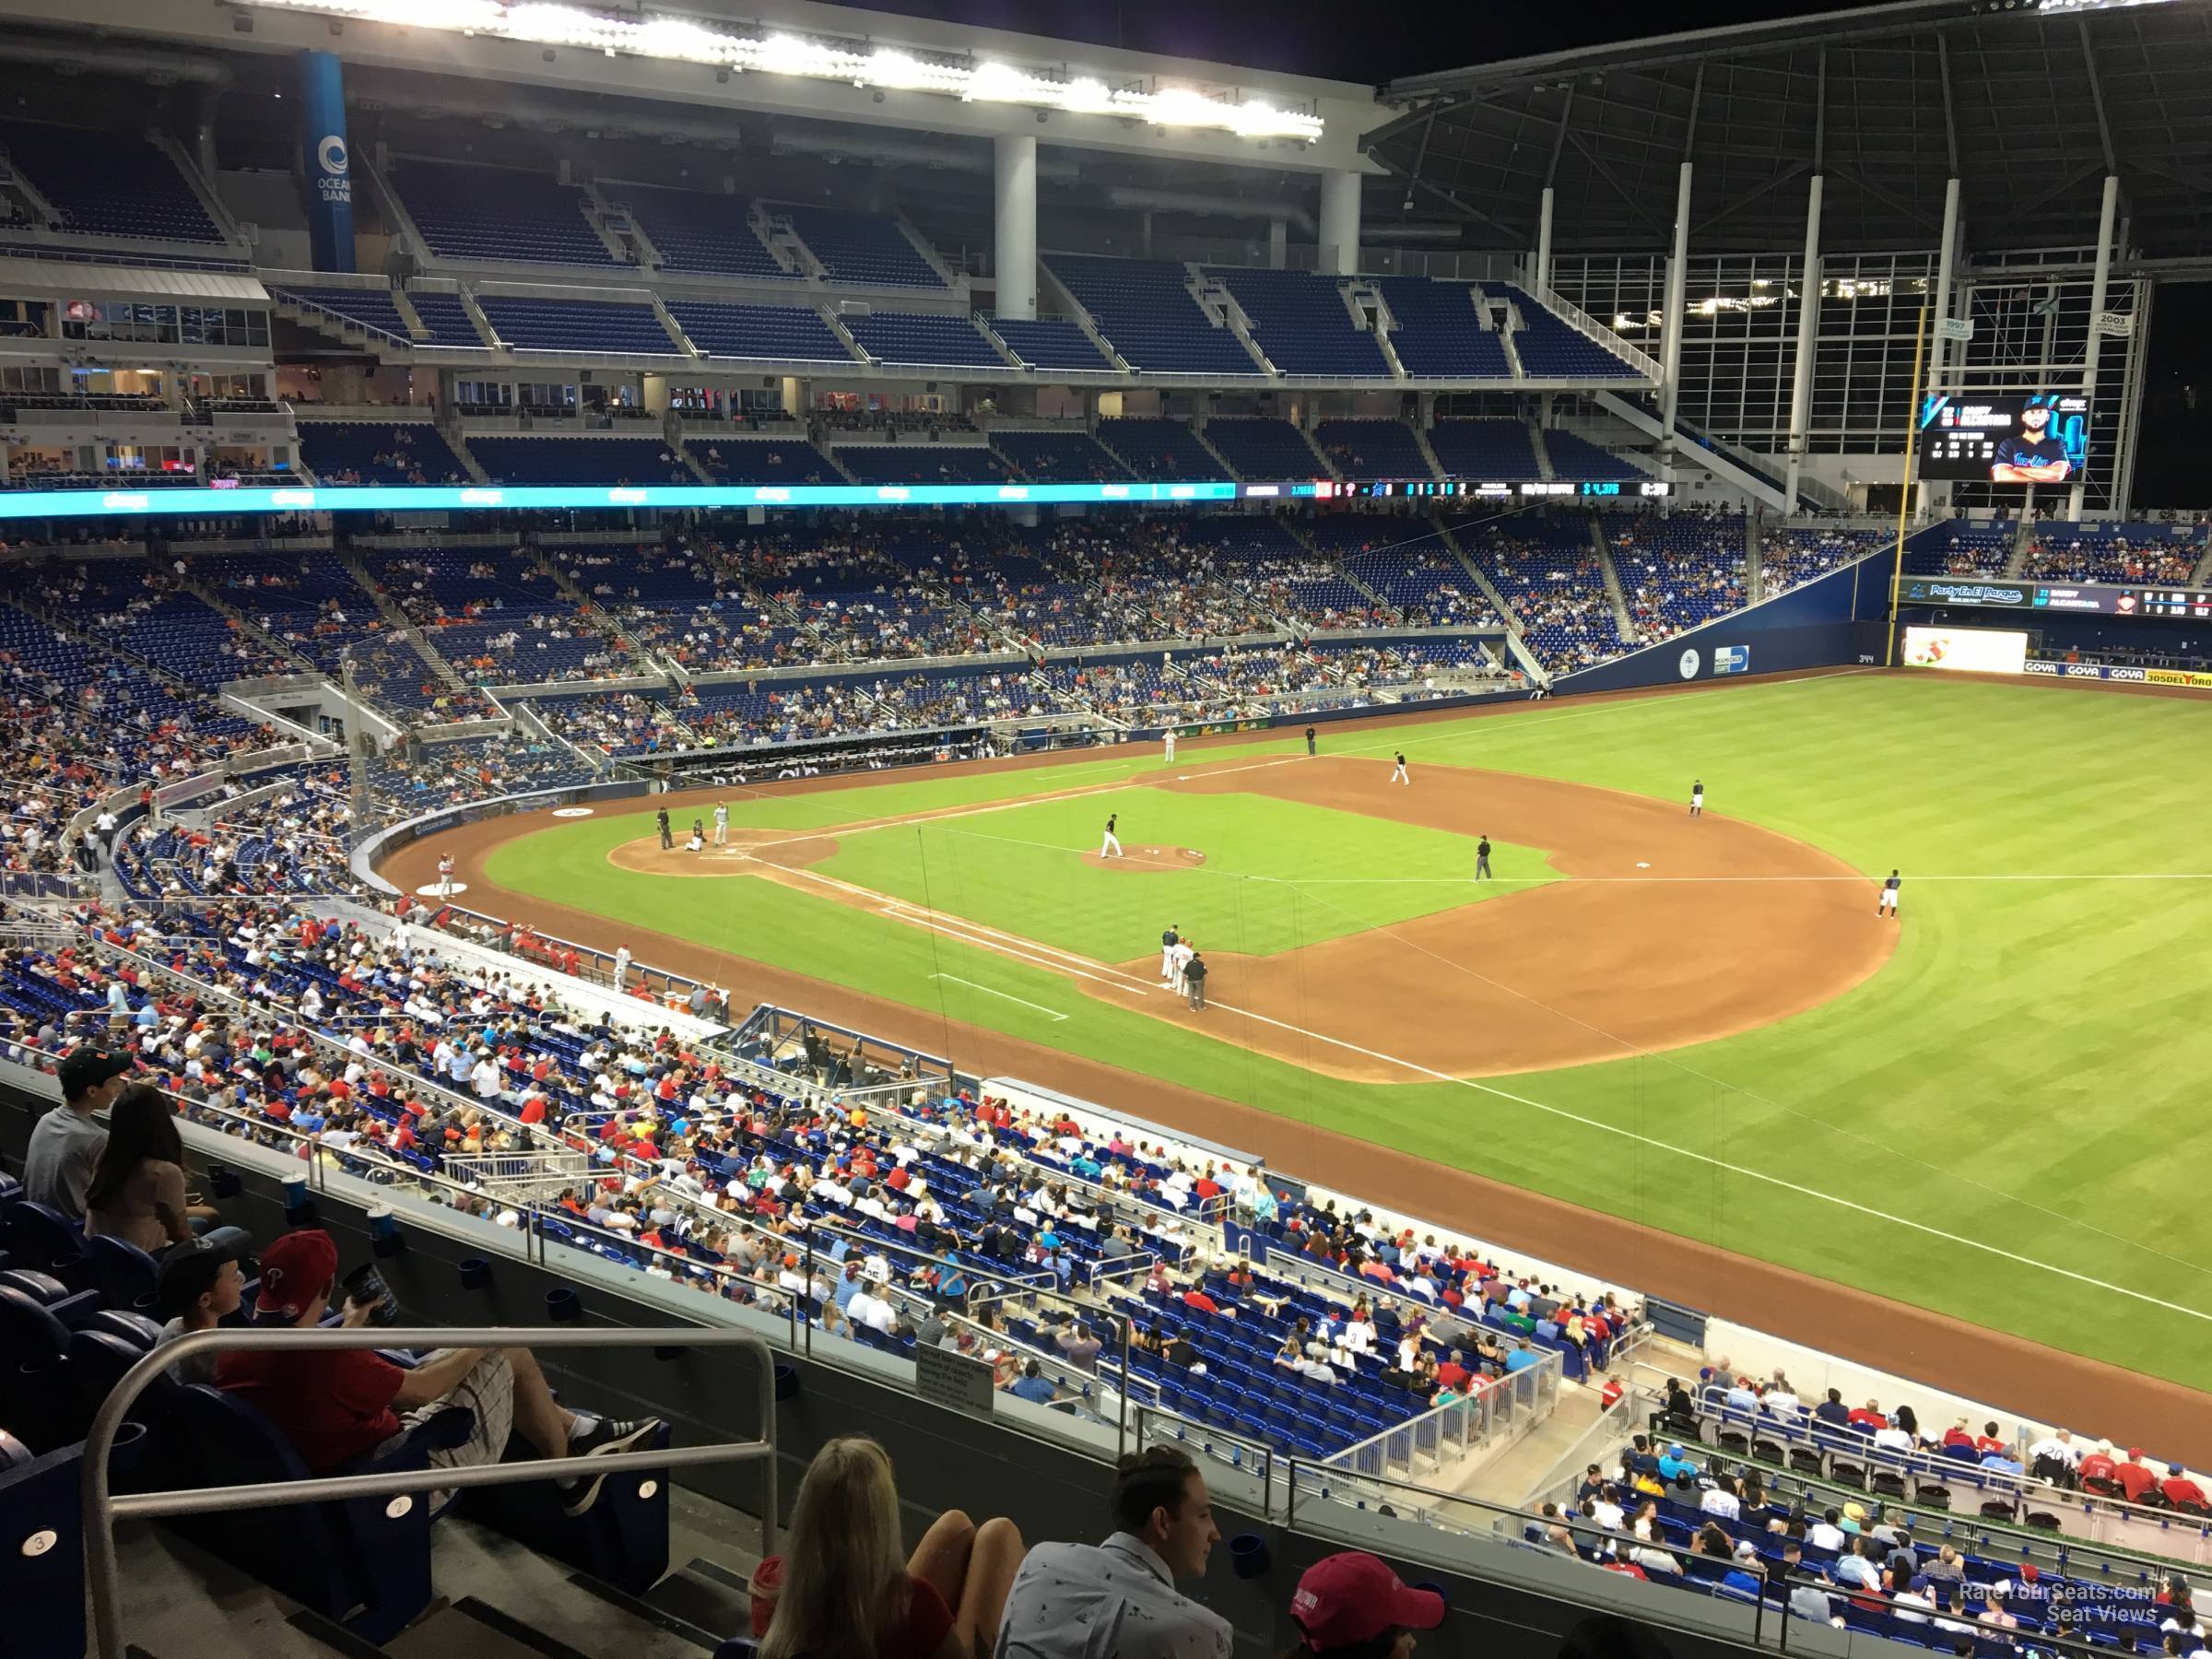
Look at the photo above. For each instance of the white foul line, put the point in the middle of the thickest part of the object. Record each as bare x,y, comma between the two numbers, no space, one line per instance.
987,991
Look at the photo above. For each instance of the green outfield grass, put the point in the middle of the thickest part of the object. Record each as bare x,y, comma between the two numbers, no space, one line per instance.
1018,870
2000,1124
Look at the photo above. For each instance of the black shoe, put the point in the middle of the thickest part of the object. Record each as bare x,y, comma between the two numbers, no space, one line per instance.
605,1437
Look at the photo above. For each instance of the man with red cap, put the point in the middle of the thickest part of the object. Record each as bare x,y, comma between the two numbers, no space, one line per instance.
2134,1476
338,1405
1347,1604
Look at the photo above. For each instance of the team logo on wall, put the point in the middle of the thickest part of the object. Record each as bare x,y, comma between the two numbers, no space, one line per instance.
1687,663
571,812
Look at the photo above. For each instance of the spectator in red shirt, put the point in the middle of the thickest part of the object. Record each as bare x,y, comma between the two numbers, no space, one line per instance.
1195,1298
2135,1476
338,1405
2100,1466
2179,1490
1869,1415
1453,1373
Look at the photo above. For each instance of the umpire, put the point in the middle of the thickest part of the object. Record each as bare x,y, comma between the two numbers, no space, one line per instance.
661,818
1193,979
1482,858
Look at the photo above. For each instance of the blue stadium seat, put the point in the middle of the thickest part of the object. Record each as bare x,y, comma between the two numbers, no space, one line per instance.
1302,322
580,326
923,340
785,333
1440,334
695,231
1049,343
502,215
43,1550
1552,348
859,247
1145,310
1260,447
108,184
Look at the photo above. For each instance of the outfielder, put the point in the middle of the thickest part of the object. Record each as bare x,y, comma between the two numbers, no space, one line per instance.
446,876
1398,775
1168,941
1170,741
1887,906
1697,798
1111,846
722,823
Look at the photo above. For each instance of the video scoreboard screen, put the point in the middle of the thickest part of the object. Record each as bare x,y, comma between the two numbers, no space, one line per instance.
2046,597
2005,438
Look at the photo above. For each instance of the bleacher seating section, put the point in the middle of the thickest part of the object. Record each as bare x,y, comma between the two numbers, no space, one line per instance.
920,463
783,333
1069,457
1961,549
102,183
398,453
1498,452
1258,447
452,328
1145,310
696,232
370,308
503,215
1049,343
1302,323
1372,449
1574,456
1552,348
1439,333
854,247
926,339
513,460
738,459
1163,450
1678,571
583,326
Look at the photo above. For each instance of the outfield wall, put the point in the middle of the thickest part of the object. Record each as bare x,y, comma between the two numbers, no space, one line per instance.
1833,620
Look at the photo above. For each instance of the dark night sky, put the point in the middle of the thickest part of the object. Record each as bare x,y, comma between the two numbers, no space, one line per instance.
1345,40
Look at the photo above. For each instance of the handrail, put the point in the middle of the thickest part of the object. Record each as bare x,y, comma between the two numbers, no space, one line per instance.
103,1507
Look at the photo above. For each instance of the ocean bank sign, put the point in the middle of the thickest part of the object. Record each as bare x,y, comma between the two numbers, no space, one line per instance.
329,160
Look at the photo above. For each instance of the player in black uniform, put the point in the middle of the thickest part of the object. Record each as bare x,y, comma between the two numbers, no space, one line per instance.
2034,455
1111,846
1309,740
1887,904
1482,858
1399,776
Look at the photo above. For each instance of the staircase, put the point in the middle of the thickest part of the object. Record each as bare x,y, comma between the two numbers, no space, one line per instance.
1364,299
2023,540
2199,577
396,620
1342,572
837,326
1698,449
1545,470
587,608
929,254
449,428
1082,319
1622,618
618,229
1206,444
1507,614
676,329
212,597
1421,438
1214,299
1328,467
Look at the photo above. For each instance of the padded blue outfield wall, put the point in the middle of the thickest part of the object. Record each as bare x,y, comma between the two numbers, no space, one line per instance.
1838,619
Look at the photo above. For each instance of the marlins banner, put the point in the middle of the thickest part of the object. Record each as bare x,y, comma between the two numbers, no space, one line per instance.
329,165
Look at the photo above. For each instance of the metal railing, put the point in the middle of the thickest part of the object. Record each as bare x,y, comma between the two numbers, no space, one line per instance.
103,1507
1498,1414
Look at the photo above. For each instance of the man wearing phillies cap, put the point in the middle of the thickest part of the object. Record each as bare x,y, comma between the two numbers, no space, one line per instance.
1352,1607
339,1406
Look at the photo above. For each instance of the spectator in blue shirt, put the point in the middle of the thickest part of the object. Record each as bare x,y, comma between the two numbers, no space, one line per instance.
1673,1464
1030,1385
1521,1357
848,1287
2000,1463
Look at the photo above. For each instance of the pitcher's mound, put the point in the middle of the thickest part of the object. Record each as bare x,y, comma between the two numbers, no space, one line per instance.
746,851
1150,858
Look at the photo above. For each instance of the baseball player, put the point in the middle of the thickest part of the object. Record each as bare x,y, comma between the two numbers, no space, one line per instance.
1170,741
621,967
446,876
699,837
1111,846
722,823
1482,857
1309,740
1398,775
1184,953
1168,941
1697,798
1888,907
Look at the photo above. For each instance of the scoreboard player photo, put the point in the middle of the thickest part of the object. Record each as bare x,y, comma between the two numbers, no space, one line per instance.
2005,439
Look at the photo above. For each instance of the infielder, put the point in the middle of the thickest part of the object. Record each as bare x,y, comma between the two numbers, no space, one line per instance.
1482,857
1398,775
1888,907
446,876
1309,750
1170,741
1168,941
1697,798
722,823
1111,846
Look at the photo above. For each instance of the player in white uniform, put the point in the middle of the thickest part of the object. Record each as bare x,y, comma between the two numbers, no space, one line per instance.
1184,953
1697,798
1111,846
1888,907
446,876
622,968
1398,774
722,823
1170,741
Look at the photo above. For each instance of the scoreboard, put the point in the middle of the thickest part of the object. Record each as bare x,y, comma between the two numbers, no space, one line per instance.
2086,600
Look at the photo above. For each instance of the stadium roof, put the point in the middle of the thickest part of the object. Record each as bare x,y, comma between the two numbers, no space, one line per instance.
2029,107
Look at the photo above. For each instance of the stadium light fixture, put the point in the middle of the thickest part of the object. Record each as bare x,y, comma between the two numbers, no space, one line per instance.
687,40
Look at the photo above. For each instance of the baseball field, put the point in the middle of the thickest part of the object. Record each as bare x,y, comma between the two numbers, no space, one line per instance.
1984,1111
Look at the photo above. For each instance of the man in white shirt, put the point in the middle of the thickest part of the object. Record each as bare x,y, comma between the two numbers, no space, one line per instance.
1892,1439
873,1311
2059,1447
1824,1534
1721,1500
1117,1600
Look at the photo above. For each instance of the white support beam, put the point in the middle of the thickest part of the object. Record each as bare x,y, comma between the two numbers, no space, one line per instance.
1014,225
2100,288
1808,331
